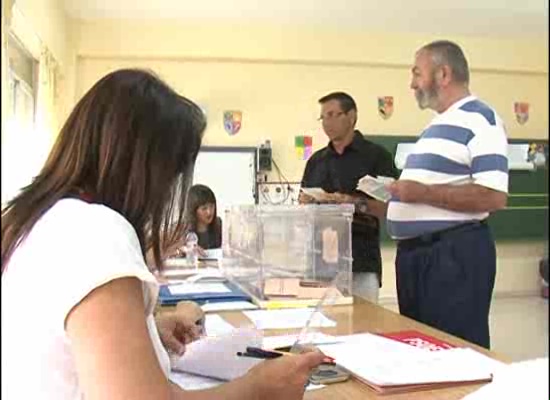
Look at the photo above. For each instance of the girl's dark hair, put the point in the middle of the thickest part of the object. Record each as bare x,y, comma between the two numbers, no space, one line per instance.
200,195
130,144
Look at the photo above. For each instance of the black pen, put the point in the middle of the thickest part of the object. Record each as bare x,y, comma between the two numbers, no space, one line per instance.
256,352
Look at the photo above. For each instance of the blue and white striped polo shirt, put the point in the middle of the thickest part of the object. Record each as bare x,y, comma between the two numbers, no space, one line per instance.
464,144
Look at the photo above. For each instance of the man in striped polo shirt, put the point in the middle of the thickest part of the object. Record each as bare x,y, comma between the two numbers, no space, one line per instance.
454,177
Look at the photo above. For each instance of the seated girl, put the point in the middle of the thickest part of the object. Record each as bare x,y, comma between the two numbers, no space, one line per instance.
201,217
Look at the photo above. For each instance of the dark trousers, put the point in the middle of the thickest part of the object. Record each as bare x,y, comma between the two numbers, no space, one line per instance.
446,280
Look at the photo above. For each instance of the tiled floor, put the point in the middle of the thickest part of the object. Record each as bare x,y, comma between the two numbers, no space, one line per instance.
519,326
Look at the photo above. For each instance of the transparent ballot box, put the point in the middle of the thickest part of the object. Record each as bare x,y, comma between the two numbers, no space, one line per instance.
289,254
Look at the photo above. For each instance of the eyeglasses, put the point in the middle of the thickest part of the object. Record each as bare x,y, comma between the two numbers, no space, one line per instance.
330,115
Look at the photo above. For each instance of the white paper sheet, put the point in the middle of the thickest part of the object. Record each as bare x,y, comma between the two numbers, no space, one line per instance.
287,318
521,380
216,356
228,306
394,363
197,288
216,325
375,187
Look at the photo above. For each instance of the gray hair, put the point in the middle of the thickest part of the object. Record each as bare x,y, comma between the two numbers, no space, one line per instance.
445,52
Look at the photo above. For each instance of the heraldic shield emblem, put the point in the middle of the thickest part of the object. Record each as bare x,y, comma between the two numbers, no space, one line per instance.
522,112
385,106
232,121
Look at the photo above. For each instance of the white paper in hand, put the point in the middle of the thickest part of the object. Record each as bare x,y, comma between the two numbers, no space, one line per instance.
375,187
216,357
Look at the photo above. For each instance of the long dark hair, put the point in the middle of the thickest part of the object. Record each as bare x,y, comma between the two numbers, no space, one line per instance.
200,195
130,144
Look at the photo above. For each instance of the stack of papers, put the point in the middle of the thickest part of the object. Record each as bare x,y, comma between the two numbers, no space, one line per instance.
288,318
375,187
389,366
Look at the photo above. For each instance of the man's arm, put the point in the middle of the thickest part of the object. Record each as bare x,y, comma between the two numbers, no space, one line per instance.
464,198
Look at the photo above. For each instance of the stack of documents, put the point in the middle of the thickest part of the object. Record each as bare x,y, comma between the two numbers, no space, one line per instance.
375,187
389,366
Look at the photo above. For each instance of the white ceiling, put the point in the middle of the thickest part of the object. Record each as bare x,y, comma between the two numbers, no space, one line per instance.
496,18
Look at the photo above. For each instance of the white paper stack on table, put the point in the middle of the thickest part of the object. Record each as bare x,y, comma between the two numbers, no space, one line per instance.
389,366
375,187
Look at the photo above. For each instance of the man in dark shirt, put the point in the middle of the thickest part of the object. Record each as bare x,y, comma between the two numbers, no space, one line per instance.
337,169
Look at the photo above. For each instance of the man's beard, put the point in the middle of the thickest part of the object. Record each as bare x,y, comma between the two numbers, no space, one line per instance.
427,98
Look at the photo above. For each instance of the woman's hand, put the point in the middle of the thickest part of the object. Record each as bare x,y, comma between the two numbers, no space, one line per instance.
284,377
178,328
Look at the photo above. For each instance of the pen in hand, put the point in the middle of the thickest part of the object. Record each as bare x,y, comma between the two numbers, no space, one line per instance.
255,352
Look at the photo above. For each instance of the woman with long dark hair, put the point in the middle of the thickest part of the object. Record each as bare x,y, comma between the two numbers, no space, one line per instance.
77,294
202,218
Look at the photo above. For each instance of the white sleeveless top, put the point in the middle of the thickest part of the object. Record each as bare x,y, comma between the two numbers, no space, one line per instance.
74,248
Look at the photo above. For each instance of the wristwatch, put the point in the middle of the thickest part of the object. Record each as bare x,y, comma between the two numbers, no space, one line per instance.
361,206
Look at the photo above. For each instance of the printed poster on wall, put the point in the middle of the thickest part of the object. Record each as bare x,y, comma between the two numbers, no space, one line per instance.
521,109
304,146
385,106
232,121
